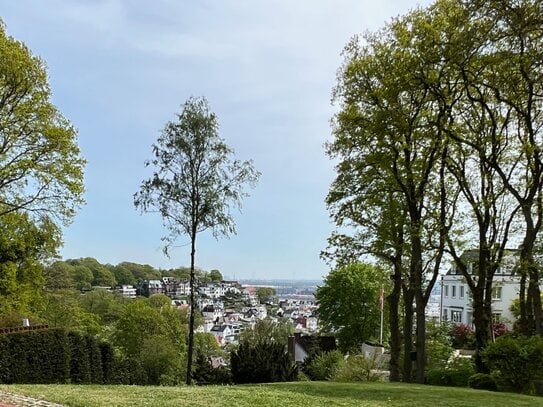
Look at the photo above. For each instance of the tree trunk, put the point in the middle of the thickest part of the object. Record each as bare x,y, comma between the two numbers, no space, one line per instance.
192,310
420,343
481,320
393,300
530,299
407,374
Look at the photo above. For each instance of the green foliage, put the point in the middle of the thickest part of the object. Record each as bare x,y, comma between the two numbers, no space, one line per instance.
58,276
515,361
139,272
206,344
265,294
456,373
139,321
41,170
161,361
359,368
268,329
323,366
62,309
204,372
215,276
349,304
34,357
207,182
463,336
83,277
129,370
108,362
438,344
482,381
80,370
25,244
107,306
101,275
261,362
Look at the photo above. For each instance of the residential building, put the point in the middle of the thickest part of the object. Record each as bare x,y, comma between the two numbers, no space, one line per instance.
456,300
127,291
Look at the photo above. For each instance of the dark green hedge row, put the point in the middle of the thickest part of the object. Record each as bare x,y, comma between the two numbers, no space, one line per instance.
54,356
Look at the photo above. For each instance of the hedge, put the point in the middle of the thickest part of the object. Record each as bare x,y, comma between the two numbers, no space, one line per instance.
53,356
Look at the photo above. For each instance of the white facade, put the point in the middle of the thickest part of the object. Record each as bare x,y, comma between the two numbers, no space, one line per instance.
456,302
127,291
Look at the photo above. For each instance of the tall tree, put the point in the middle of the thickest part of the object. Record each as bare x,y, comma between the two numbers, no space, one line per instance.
509,80
41,174
349,304
41,170
195,185
387,127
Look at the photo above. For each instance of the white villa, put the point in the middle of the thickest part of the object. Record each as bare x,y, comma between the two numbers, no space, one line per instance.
456,295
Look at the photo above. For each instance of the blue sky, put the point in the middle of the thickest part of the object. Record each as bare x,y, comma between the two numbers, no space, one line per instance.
120,69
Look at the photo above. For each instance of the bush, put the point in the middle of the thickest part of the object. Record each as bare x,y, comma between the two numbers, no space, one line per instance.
262,362
204,372
456,373
463,337
358,368
129,371
516,361
324,365
482,381
438,354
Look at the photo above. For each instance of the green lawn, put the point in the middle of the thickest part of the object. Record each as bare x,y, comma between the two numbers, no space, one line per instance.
284,394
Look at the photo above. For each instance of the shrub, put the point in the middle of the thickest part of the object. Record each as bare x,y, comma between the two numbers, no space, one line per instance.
482,381
358,368
438,354
262,362
516,361
456,373
204,372
161,361
463,336
324,365
129,370
499,329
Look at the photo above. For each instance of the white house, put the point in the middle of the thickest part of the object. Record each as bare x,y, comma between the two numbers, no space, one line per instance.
223,334
456,303
127,291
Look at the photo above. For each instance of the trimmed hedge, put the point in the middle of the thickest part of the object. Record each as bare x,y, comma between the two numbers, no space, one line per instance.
53,356
35,357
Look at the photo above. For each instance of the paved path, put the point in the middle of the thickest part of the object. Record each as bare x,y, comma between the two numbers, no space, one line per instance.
16,400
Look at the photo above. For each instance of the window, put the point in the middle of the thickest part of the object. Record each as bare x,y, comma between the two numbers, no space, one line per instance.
446,291
454,291
496,316
461,291
497,293
456,316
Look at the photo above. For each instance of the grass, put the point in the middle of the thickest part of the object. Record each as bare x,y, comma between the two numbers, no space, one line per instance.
284,394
